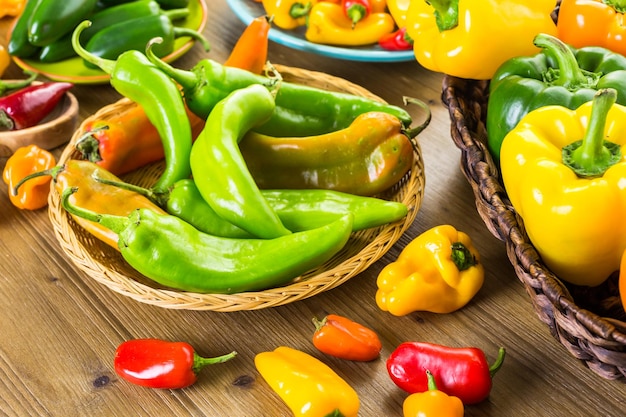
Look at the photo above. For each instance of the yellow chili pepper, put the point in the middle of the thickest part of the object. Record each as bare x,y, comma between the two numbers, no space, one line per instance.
33,194
439,271
471,38
11,7
398,10
329,25
573,216
309,387
432,403
288,14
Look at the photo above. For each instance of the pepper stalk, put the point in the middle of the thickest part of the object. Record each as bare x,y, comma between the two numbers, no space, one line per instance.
446,13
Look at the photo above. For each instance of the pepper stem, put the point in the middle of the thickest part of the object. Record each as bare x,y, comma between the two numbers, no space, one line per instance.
13,85
568,74
413,132
618,5
186,79
446,13
592,156
111,222
88,146
299,10
158,198
432,385
180,32
495,367
462,257
319,323
106,65
200,362
53,172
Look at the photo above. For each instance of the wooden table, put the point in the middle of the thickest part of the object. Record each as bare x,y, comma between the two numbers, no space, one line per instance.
60,328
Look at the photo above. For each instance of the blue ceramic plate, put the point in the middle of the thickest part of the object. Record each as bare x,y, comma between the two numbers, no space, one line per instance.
73,70
248,10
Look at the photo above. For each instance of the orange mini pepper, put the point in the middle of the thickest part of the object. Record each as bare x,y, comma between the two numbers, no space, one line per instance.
593,23
343,338
250,51
432,403
33,194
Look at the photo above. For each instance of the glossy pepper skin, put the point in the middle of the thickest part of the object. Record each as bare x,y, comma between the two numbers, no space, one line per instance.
593,23
175,254
558,75
28,106
18,44
208,82
328,25
465,38
33,194
220,171
309,387
432,403
343,338
131,73
439,271
396,41
459,372
5,59
250,50
288,14
156,363
571,217
51,19
366,158
11,7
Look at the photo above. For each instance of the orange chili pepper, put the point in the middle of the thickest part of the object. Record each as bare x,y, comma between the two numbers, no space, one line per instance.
622,280
26,160
343,338
250,51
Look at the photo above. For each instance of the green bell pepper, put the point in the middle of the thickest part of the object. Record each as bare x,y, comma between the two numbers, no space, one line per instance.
558,75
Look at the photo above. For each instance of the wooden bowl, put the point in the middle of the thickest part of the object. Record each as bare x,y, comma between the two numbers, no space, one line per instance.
56,129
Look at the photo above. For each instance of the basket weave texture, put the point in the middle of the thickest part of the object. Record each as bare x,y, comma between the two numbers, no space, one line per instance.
106,265
589,322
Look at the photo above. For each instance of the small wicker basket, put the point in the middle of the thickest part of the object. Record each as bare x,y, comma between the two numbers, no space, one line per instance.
589,322
106,265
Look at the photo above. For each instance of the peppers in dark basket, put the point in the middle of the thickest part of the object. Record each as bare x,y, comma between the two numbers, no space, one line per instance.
30,105
156,363
460,372
175,254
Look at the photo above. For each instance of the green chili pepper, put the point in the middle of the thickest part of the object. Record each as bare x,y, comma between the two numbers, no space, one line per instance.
173,253
19,45
219,169
300,110
298,210
134,77
559,75
173,4
52,19
62,48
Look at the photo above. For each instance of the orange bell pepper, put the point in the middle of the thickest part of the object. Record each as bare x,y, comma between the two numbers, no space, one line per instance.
33,194
593,23
343,338
250,51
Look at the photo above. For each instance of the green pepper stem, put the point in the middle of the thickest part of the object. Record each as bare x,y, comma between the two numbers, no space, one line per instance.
176,14
180,32
187,79
413,132
569,74
432,385
618,5
319,323
159,199
106,65
299,10
462,257
335,413
13,85
498,363
111,222
53,172
592,156
88,146
200,362
446,13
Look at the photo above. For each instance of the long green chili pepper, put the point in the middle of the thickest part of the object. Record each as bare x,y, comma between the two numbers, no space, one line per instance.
299,210
219,170
300,110
173,253
134,77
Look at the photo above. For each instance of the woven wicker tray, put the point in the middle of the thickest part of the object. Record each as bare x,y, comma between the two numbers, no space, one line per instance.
106,265
589,322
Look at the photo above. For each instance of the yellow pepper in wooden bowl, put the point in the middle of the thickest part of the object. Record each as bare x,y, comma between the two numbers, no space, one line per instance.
565,174
439,271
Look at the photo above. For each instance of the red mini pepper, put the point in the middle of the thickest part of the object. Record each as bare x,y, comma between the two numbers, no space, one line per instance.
156,363
356,10
396,41
30,105
343,338
459,372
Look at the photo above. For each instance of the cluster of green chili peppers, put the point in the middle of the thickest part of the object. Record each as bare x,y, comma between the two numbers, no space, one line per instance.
221,233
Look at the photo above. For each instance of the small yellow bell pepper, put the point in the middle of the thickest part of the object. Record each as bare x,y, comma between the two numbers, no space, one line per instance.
288,14
432,403
329,25
309,387
439,271
565,174
472,38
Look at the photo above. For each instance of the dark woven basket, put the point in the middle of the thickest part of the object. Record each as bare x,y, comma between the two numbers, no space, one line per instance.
589,322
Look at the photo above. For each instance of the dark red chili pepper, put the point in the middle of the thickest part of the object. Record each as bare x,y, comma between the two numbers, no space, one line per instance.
396,41
356,10
460,372
156,363
30,105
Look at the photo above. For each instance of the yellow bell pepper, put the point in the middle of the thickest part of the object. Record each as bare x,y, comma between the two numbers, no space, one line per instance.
432,403
11,7
309,387
288,14
472,38
328,25
398,10
439,271
565,174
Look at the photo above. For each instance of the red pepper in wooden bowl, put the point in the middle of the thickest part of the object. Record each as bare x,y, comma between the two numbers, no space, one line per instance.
343,338
30,105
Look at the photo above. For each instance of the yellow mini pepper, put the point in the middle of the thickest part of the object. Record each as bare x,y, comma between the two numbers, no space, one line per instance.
432,403
471,38
309,387
439,271
329,25
288,14
565,174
